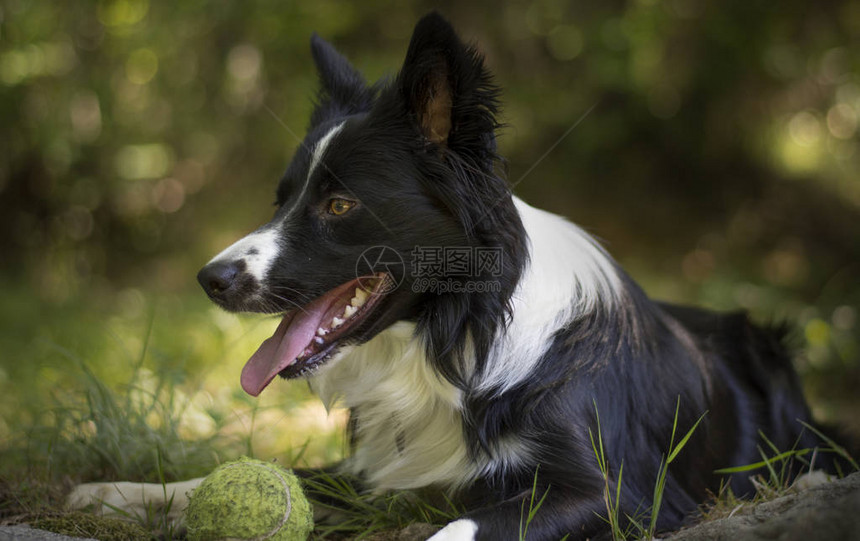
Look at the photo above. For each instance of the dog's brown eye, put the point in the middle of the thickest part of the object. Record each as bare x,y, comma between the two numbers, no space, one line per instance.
340,206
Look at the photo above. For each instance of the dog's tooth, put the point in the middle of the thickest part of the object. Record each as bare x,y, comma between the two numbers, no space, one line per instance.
336,322
360,296
321,332
319,340
349,311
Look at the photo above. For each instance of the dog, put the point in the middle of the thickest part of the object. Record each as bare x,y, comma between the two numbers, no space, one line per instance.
484,347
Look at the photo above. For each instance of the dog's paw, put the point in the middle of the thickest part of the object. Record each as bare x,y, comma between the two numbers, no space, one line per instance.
109,498
133,499
459,530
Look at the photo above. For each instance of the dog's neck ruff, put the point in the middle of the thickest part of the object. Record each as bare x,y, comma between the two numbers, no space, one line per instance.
408,420
408,427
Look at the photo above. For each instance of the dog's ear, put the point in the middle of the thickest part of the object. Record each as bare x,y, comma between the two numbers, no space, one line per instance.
343,90
447,91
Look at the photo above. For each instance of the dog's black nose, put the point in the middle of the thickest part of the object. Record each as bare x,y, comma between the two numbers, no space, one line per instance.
218,277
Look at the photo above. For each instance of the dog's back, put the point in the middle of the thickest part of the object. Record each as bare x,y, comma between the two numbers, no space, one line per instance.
761,392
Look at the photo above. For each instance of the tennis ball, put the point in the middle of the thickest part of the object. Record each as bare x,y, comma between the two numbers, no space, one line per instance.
249,499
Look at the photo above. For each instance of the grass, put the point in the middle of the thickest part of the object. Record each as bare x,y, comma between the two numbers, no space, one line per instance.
780,467
642,524
135,433
128,409
362,515
611,498
117,401
779,480
663,469
79,524
528,515
103,434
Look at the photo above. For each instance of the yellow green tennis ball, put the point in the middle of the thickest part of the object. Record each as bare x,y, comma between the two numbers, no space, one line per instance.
249,499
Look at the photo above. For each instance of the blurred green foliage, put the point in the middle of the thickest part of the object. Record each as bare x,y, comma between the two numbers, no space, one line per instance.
719,162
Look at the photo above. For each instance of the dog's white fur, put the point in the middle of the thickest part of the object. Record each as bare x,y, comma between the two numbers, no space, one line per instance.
258,250
135,499
574,275
409,434
459,530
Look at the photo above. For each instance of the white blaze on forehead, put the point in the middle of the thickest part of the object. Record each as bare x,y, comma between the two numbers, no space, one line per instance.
316,159
258,250
320,148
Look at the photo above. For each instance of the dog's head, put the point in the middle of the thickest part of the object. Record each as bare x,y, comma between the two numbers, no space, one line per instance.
383,169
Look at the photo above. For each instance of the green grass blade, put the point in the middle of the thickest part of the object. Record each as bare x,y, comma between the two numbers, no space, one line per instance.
533,508
684,440
765,462
835,447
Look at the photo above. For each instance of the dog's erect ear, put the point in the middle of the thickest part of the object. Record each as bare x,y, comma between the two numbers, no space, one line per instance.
447,91
342,88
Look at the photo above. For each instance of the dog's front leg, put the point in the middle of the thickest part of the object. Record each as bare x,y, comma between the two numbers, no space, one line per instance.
561,514
135,499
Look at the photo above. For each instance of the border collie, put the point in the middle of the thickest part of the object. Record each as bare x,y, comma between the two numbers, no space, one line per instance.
478,342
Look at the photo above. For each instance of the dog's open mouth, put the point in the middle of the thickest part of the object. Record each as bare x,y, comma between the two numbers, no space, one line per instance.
309,336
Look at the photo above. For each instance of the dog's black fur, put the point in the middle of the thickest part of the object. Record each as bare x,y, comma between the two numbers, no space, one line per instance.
418,156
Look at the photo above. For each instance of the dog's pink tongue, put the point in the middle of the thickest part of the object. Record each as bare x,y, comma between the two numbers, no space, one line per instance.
291,337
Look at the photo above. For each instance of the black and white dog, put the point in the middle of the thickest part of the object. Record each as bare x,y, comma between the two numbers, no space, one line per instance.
493,375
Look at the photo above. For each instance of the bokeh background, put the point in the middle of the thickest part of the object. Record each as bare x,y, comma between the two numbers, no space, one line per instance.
713,146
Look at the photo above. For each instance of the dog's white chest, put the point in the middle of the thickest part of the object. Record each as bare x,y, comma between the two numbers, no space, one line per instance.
408,424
